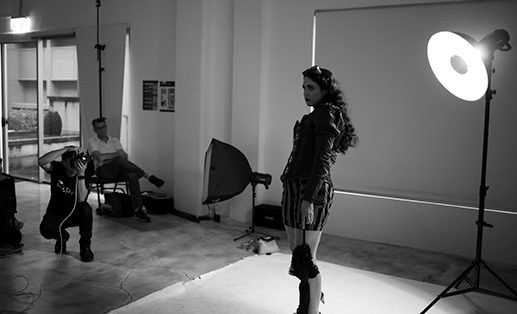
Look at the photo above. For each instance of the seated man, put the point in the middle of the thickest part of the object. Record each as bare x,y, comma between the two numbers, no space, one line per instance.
68,205
111,162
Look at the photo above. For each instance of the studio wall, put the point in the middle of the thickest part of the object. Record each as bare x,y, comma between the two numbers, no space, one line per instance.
253,105
286,31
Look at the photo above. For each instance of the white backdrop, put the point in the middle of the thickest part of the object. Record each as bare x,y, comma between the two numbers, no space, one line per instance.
416,140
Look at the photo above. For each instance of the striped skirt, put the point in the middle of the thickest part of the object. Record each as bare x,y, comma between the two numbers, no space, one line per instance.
292,200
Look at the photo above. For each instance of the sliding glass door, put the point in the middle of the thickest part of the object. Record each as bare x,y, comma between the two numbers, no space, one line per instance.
40,103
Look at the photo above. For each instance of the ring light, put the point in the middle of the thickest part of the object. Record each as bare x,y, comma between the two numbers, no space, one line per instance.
458,65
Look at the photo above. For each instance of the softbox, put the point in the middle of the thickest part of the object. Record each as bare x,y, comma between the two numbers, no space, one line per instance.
227,172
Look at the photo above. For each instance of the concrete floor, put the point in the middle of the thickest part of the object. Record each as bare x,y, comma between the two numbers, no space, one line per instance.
134,259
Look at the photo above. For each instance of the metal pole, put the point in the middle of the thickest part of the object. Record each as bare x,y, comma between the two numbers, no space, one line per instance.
478,262
99,48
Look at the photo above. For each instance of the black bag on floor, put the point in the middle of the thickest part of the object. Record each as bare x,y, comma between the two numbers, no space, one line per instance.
13,236
7,183
157,203
120,204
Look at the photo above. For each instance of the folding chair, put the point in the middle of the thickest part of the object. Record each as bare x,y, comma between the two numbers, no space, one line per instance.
100,187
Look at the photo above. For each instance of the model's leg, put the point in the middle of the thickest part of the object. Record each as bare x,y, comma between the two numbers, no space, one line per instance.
291,200
291,237
312,238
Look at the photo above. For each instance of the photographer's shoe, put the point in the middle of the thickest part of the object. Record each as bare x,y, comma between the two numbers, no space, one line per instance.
8,248
86,254
140,215
60,247
156,181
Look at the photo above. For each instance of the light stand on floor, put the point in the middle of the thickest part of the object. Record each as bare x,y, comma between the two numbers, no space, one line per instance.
257,178
498,40
227,173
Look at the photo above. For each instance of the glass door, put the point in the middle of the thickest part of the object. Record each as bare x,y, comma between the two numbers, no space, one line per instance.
20,110
41,103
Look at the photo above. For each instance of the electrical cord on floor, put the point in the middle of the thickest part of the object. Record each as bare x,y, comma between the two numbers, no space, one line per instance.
15,295
212,211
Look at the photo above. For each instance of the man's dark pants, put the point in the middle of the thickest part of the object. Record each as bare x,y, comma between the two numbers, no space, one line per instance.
81,217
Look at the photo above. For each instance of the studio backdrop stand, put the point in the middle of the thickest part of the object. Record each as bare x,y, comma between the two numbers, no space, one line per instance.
478,263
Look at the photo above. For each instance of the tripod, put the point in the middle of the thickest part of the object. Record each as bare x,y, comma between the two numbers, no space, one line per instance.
251,229
478,263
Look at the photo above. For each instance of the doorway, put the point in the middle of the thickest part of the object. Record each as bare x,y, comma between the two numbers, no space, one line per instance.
40,103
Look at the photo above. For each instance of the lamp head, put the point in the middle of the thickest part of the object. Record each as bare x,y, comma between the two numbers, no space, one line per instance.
497,40
461,64
262,178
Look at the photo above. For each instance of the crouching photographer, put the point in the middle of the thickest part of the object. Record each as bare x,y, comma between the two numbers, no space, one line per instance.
68,206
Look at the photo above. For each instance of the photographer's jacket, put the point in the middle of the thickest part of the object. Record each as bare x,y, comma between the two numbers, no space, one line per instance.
62,189
313,154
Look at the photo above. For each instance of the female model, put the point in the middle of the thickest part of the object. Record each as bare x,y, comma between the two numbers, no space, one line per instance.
307,185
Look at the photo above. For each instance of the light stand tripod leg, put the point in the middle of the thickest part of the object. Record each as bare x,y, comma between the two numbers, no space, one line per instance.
251,229
481,223
514,298
247,233
445,293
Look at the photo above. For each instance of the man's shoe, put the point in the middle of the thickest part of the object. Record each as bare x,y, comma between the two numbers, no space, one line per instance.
140,215
8,248
60,246
86,254
156,181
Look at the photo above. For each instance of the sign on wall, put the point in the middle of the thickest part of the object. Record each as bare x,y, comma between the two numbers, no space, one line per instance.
159,95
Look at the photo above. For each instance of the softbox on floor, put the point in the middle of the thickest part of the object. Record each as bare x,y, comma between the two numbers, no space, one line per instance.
227,172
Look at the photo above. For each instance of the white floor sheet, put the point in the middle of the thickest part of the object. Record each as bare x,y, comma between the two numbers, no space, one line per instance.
260,284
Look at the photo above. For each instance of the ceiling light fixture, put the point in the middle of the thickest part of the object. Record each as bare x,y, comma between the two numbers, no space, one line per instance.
20,23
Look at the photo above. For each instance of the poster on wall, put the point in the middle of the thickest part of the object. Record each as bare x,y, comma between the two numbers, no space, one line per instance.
150,93
159,96
167,96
